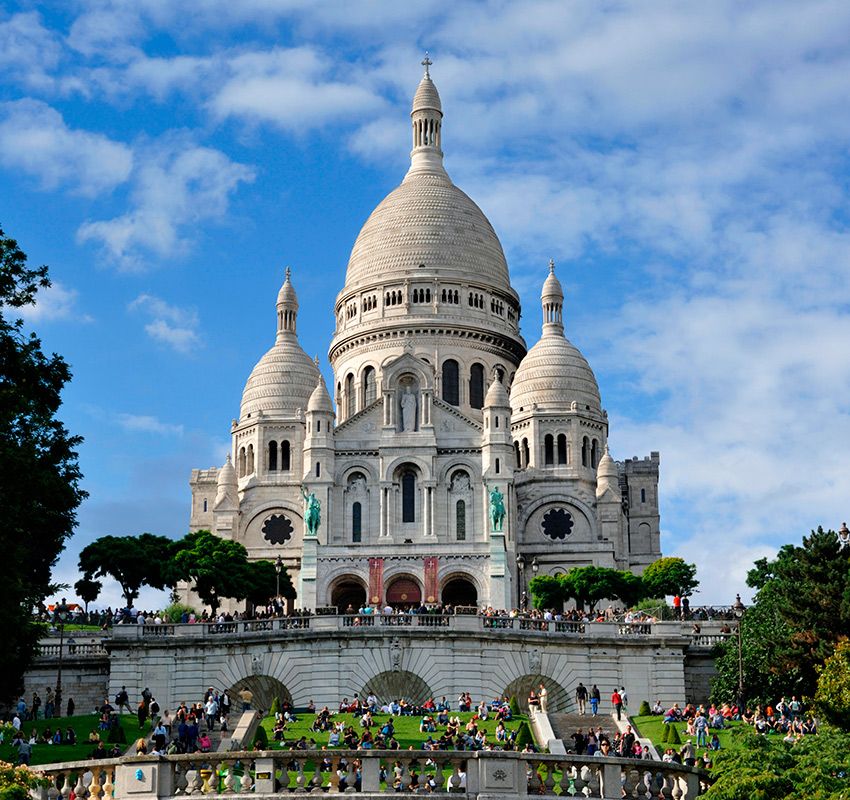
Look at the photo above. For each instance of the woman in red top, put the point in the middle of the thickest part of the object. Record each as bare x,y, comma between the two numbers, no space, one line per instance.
617,702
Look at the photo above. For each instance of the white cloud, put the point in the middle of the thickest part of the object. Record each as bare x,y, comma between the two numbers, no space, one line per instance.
144,423
169,325
29,52
175,185
35,139
54,303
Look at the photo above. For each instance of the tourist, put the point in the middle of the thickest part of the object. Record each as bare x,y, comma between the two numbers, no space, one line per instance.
581,698
604,749
617,702
595,697
544,698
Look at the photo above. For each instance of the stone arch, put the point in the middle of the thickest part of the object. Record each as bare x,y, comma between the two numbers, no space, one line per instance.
389,686
554,498
264,688
343,473
403,583
347,590
557,696
459,589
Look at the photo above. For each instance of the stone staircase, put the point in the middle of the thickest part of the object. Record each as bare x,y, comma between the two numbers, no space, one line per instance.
565,725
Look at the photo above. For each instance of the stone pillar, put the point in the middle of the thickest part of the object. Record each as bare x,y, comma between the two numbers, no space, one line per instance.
307,573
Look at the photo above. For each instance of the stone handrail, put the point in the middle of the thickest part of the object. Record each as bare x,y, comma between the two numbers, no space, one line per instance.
448,622
71,650
370,772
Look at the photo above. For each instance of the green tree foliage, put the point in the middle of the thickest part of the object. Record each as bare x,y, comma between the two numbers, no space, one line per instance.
39,477
815,768
798,615
133,561
669,576
546,592
832,698
16,782
87,590
220,568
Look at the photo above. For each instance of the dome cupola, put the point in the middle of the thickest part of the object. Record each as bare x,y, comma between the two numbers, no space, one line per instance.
284,378
554,374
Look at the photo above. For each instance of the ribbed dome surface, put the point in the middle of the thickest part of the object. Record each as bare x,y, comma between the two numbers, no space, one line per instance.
553,374
281,382
427,96
428,221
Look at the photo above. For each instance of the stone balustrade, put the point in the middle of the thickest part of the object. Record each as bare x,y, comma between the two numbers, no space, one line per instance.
448,622
371,772
71,649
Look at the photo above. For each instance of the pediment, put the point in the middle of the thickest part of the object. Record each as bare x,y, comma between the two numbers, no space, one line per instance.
364,423
448,419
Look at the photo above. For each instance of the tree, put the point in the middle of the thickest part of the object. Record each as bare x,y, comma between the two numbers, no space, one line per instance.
669,576
133,561
832,698
546,592
220,568
40,475
87,590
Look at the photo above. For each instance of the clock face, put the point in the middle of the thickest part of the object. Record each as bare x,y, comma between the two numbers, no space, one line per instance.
277,529
558,524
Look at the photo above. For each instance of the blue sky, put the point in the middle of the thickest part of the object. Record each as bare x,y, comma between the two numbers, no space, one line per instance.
685,164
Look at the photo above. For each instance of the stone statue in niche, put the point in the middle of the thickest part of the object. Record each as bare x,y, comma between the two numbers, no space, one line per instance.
408,410
534,660
460,482
395,654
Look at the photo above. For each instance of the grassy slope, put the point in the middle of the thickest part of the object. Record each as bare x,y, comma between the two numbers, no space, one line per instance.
82,725
653,728
406,728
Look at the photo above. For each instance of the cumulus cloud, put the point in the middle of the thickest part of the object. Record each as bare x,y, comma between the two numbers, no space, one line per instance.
176,184
167,324
35,139
57,302
29,52
145,423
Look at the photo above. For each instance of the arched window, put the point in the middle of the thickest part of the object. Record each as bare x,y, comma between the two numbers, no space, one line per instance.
250,466
408,497
594,454
242,462
272,456
318,426
205,503
460,520
642,496
284,455
451,388
498,466
562,448
476,386
318,469
370,387
526,455
549,450
585,452
518,459
350,399
356,522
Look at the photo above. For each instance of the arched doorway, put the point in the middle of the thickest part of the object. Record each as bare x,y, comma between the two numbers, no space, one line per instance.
558,699
264,688
403,591
348,592
459,592
389,686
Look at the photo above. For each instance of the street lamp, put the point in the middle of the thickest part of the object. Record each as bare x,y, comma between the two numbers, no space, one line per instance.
60,614
278,566
522,598
535,567
738,610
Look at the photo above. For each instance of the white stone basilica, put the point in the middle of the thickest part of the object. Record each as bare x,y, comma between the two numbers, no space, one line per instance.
438,403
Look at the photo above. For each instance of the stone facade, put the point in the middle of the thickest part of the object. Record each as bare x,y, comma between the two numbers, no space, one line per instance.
438,404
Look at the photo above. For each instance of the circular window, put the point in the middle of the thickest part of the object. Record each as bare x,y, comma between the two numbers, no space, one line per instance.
277,529
557,524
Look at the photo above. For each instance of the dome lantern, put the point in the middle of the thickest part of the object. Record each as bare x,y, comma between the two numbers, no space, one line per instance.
287,306
427,121
552,297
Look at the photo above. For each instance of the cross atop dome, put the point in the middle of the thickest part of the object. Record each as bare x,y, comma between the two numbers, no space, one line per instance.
426,62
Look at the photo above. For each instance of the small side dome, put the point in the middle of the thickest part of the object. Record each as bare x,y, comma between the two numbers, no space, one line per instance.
227,474
226,495
320,400
607,468
497,395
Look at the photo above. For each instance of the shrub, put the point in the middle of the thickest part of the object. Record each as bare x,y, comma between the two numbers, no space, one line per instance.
275,709
514,706
523,736
665,737
674,737
261,740
645,710
174,612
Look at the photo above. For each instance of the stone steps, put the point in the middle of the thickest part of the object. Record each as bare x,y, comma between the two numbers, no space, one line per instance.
565,725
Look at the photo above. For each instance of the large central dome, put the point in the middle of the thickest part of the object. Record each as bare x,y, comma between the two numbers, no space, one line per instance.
427,227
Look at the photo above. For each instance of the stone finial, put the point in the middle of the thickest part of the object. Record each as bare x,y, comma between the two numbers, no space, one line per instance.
426,62
288,272
551,266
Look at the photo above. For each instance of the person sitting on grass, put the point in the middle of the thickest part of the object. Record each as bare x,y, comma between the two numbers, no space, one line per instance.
57,737
427,724
70,736
714,744
333,739
279,727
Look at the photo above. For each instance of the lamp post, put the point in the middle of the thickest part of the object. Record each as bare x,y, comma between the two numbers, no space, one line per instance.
278,566
59,615
738,610
522,599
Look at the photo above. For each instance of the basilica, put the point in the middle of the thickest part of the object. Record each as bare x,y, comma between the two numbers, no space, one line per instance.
448,463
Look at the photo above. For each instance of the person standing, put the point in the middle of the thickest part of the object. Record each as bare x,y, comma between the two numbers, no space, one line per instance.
595,697
543,695
581,699
624,698
617,702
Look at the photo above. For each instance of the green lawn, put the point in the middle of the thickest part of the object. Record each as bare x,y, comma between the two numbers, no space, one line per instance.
652,728
82,724
406,728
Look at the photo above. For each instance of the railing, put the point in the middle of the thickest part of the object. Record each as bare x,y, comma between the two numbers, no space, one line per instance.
71,650
709,639
372,772
531,626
